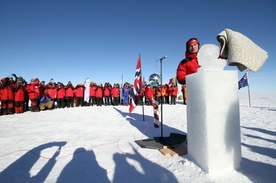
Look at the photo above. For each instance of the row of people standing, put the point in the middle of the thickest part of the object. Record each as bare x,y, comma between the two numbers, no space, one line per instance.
17,95
166,94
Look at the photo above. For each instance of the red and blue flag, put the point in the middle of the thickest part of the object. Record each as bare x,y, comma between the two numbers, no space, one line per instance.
136,86
243,82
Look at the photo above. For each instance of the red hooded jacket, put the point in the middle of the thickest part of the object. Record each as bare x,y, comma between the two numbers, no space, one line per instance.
33,91
69,91
19,93
99,92
92,88
79,90
187,66
60,92
6,90
115,91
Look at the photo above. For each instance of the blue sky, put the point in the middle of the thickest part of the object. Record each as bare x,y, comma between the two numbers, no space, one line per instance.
70,40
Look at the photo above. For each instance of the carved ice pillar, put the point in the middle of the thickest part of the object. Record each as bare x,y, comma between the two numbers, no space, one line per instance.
213,120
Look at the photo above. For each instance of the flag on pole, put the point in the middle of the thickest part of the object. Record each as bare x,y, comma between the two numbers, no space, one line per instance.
243,82
172,81
136,86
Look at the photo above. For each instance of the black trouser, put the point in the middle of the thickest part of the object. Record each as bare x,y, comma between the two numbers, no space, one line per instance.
6,107
173,99
106,100
60,103
99,101
92,101
167,99
69,102
79,101
115,101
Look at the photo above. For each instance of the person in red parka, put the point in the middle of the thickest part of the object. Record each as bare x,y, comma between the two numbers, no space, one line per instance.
79,92
107,93
34,93
92,94
26,96
7,96
173,91
115,92
60,95
148,94
69,94
189,65
166,94
51,89
99,95
19,95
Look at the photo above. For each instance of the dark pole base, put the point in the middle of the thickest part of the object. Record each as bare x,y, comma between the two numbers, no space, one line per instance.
159,142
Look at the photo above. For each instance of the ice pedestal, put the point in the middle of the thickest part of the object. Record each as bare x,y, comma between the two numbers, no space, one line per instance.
213,120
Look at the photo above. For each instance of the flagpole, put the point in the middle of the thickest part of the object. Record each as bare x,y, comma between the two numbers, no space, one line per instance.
161,96
141,87
248,90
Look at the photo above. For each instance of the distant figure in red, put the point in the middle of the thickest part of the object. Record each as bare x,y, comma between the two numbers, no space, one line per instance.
107,93
19,95
69,94
92,94
60,95
99,95
34,95
79,92
115,92
173,91
148,94
7,95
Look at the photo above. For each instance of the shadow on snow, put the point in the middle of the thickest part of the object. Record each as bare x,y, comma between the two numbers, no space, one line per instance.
145,127
19,171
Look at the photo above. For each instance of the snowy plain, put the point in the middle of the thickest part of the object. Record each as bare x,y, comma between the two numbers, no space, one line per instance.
97,144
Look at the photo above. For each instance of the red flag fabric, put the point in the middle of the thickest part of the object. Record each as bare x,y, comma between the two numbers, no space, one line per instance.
136,86
132,105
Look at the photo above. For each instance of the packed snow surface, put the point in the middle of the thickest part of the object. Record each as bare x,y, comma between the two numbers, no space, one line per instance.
97,144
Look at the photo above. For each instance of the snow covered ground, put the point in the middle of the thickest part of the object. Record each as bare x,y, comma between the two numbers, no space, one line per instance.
97,144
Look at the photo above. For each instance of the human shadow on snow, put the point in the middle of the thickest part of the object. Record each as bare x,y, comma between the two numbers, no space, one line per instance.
146,127
258,171
261,138
148,171
262,150
19,171
83,168
273,133
254,170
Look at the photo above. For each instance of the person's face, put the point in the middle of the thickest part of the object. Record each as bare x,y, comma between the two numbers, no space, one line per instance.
193,48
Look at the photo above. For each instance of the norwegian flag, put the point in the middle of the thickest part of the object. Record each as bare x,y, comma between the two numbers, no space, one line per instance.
137,85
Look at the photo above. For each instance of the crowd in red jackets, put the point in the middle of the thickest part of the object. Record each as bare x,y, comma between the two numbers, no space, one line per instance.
18,96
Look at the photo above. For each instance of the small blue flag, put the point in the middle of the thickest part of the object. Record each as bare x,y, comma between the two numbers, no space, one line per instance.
243,82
